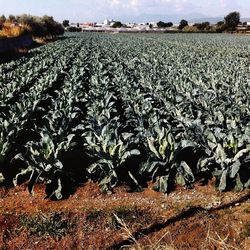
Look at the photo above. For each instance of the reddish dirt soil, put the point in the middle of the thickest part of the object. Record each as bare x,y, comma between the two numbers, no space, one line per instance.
199,218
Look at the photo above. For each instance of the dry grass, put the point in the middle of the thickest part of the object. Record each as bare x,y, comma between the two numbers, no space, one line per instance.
128,234
11,30
212,239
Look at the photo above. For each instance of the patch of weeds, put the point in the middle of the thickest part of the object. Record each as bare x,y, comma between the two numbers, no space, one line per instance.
4,247
246,231
246,210
96,214
125,213
128,214
97,219
54,225
107,218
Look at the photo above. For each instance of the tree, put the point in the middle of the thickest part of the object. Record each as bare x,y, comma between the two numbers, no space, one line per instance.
117,25
220,23
202,26
164,25
191,29
12,18
41,27
220,28
73,29
232,20
65,23
183,24
53,28
169,24
161,24
2,19
49,23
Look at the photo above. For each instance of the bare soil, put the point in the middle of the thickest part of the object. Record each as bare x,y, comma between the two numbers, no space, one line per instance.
199,218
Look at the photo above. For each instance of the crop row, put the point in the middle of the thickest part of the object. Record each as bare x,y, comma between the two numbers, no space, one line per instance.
131,109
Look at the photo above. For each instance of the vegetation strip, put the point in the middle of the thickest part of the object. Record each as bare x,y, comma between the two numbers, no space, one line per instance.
132,109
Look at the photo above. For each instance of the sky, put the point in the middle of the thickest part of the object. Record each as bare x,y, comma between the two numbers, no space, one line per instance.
133,10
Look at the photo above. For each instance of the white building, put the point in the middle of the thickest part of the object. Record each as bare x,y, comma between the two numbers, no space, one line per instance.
153,24
108,22
143,24
131,25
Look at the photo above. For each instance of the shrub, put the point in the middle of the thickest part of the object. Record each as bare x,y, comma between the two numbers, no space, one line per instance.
44,26
12,30
190,29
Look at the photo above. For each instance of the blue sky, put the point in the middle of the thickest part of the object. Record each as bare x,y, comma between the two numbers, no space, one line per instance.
96,10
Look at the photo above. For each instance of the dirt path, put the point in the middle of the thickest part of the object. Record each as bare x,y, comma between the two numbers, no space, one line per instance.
200,218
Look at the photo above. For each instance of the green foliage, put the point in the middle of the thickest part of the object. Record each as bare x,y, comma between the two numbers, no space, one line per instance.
183,24
220,23
65,23
202,26
74,29
117,25
220,27
161,24
47,226
232,20
41,26
132,109
2,19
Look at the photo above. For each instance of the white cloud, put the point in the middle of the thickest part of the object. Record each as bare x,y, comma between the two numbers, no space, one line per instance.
115,2
131,4
229,4
223,3
140,3
80,10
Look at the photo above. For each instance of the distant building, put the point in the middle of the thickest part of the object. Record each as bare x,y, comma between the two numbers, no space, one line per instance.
143,24
241,28
130,25
153,24
246,23
108,22
88,24
98,24
105,23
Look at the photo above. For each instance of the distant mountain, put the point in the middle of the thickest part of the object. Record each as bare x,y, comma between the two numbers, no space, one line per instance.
155,18
191,18
245,19
213,20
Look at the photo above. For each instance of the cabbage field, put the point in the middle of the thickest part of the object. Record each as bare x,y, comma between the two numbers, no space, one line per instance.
118,109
